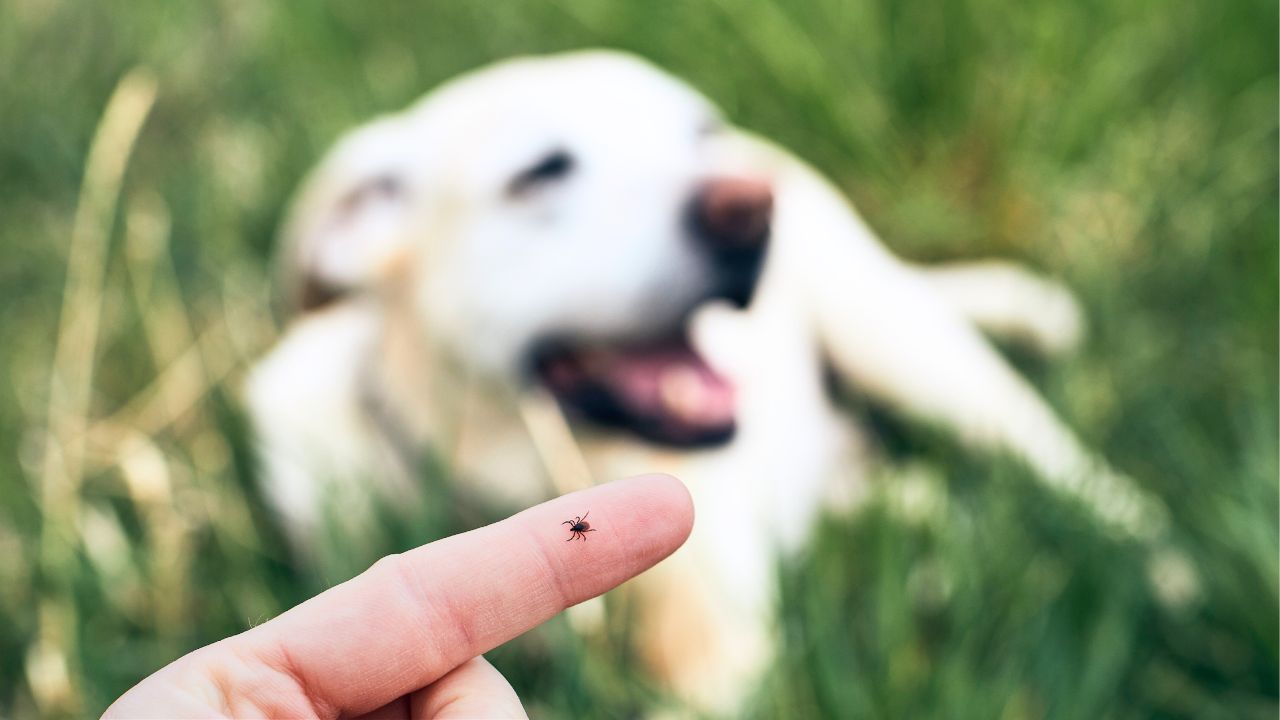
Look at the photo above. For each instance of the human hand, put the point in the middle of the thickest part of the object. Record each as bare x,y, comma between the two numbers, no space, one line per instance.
405,638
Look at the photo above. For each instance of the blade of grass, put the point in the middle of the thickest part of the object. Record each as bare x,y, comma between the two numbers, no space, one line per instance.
71,382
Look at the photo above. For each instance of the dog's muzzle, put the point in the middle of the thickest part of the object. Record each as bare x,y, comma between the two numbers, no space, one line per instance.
660,388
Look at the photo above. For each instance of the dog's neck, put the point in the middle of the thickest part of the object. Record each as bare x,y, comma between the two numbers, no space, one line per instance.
402,387
417,394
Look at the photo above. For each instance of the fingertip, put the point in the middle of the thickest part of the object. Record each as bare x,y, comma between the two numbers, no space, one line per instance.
674,495
658,513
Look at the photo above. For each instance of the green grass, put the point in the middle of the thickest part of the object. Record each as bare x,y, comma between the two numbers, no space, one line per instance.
1128,147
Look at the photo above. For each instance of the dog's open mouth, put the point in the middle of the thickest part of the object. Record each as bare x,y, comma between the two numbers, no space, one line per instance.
660,390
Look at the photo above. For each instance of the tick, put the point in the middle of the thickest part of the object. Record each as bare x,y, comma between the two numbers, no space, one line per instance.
579,527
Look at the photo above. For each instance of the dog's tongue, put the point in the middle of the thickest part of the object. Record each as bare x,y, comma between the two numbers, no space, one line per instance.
672,381
667,389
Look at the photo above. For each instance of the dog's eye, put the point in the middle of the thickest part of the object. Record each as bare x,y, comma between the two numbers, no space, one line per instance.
553,167
381,187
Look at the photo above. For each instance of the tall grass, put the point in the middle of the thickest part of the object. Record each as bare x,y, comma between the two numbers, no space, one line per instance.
1128,147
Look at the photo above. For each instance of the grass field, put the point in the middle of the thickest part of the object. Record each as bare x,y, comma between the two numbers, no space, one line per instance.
1128,147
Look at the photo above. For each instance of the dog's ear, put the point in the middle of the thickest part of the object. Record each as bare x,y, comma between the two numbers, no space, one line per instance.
347,229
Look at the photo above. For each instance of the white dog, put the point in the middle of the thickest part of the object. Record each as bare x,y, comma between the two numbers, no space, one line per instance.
539,272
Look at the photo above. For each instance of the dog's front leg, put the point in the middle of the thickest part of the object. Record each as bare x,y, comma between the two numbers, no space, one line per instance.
889,331
1010,302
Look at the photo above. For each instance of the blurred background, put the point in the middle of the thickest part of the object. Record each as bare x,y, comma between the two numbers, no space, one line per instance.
1127,147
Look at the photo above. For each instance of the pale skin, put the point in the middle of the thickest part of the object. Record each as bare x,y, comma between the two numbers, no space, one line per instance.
405,639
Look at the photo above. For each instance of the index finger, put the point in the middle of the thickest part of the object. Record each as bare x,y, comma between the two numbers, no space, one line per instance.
412,617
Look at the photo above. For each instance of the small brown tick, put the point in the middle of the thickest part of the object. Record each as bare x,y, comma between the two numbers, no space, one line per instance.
579,527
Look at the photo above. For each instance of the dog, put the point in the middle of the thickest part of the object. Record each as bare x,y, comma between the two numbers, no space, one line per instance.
558,269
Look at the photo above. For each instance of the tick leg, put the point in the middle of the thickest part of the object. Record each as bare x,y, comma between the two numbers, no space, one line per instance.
567,522
570,538
584,517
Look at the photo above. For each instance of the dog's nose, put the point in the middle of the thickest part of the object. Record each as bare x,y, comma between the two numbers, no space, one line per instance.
733,214
730,218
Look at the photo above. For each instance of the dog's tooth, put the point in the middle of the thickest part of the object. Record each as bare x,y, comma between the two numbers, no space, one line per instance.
682,391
